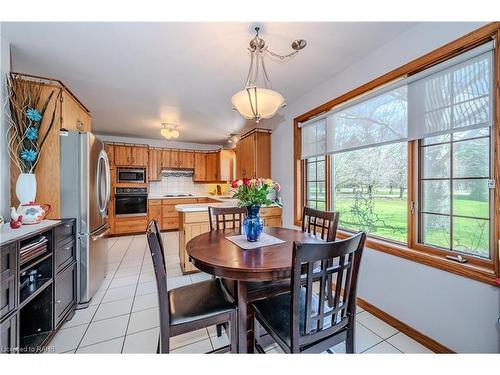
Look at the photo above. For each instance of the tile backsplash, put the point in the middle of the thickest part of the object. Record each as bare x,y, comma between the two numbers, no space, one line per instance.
173,182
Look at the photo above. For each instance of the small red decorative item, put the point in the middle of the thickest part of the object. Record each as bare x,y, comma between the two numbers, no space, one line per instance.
497,281
14,224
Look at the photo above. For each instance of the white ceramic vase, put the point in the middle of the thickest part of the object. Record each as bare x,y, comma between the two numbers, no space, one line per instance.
26,188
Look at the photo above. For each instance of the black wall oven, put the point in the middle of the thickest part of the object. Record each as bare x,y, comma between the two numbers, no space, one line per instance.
130,175
131,201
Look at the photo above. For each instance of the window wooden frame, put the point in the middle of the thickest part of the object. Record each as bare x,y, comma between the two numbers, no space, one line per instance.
487,271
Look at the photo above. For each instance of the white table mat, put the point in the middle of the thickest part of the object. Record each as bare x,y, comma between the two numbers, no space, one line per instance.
264,240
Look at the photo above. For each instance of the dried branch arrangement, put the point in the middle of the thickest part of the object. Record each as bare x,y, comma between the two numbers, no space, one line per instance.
25,136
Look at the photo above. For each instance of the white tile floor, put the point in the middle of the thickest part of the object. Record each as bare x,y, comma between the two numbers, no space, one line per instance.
123,315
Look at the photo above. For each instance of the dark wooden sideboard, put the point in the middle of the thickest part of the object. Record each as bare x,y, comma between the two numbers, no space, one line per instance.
37,292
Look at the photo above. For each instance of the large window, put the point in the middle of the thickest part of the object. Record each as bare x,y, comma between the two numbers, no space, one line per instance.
316,182
412,162
370,190
454,195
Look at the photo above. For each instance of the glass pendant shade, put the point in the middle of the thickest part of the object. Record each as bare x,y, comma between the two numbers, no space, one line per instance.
166,133
257,103
174,133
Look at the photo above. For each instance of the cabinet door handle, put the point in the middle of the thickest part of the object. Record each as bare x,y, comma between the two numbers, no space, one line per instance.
58,301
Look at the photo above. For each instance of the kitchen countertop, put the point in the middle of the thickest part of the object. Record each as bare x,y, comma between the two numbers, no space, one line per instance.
216,197
7,234
200,207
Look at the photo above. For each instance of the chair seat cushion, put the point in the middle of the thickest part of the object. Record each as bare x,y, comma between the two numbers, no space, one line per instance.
275,313
198,301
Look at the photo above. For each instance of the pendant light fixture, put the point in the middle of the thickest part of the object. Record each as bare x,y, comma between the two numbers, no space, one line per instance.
169,131
258,100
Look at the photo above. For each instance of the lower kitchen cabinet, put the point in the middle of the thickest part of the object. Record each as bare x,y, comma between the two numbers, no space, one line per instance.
65,292
38,288
8,335
8,279
129,225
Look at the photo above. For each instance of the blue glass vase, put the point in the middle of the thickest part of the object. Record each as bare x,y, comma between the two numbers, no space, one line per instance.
253,224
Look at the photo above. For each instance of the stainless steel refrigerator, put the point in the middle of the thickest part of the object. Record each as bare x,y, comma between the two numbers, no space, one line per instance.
85,192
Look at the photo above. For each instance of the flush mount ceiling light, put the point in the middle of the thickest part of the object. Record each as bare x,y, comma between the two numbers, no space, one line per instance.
169,131
232,140
258,100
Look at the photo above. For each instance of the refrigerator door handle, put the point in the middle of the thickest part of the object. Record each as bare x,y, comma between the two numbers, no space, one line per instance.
102,233
108,182
103,162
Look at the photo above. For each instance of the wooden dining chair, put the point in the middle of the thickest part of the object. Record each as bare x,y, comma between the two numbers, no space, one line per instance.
190,307
305,322
320,223
226,217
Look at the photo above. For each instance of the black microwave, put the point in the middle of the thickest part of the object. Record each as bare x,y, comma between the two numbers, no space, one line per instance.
130,175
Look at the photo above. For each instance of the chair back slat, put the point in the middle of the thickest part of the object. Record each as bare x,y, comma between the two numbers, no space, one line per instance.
155,243
226,217
320,223
308,301
334,266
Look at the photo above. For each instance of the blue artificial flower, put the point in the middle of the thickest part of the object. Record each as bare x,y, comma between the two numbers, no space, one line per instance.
33,114
32,133
29,155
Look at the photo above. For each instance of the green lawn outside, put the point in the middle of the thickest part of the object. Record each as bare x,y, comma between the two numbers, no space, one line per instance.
470,236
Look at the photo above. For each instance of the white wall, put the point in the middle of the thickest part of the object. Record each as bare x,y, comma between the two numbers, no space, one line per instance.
459,313
4,157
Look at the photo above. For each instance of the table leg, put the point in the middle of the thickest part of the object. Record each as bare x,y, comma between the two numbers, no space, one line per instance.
241,290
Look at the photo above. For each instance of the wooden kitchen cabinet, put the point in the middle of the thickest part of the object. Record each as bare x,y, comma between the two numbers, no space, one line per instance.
174,159
73,115
155,210
200,162
253,155
110,150
165,158
212,167
154,164
185,159
170,216
139,156
131,156
122,155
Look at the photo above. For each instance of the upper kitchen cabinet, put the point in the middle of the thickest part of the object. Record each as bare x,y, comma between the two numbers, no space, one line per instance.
216,166
253,154
110,150
139,156
212,166
200,162
186,159
131,156
154,164
181,159
74,116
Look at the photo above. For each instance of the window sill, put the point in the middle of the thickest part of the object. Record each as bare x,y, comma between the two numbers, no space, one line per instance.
475,272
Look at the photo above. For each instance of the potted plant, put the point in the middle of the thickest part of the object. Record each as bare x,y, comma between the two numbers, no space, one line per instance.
252,194
26,135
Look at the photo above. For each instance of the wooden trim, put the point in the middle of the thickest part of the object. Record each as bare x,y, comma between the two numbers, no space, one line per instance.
55,83
471,271
411,195
255,130
476,269
419,337
496,173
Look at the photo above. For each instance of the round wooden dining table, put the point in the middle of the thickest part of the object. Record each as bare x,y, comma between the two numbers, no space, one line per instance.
213,253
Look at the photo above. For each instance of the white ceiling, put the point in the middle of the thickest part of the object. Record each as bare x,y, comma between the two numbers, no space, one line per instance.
133,76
